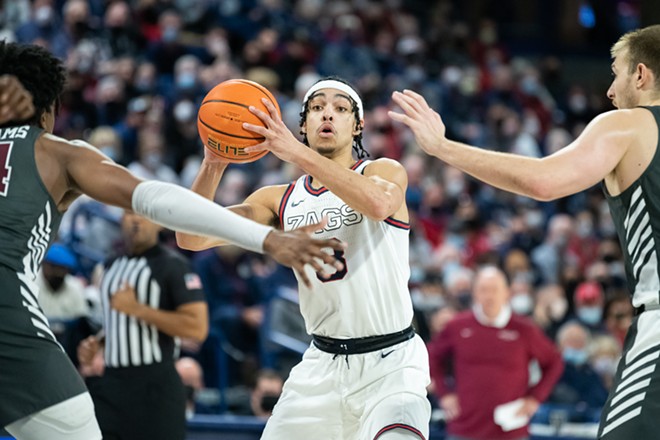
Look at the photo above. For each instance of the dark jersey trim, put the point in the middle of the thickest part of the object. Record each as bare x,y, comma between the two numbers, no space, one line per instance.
285,199
397,223
357,164
400,426
312,191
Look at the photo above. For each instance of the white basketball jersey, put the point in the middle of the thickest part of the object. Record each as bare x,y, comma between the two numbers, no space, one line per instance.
370,296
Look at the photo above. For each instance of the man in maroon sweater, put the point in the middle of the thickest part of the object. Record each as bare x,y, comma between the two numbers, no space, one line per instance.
490,349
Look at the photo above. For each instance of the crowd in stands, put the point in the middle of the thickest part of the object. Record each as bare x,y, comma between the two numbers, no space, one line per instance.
139,69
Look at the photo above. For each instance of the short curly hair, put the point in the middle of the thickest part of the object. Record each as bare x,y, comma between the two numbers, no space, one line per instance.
40,72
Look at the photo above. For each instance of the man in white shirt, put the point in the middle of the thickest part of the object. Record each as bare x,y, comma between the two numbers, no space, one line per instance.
61,294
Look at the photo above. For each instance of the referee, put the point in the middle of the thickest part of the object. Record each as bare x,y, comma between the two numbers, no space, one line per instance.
151,298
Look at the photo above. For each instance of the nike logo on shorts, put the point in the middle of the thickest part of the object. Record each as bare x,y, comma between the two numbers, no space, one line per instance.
384,355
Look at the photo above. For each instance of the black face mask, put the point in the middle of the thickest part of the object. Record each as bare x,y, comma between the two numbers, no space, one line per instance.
55,282
464,299
268,402
80,29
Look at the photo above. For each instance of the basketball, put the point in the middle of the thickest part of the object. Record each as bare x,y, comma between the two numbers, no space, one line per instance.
222,113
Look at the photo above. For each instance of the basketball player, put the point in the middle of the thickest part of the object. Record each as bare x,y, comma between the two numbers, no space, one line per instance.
41,394
15,101
620,148
365,374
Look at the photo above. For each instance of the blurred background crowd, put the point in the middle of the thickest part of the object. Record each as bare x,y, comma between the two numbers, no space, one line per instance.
515,76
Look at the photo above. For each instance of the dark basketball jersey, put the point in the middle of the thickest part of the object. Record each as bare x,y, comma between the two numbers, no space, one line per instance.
34,370
636,215
28,215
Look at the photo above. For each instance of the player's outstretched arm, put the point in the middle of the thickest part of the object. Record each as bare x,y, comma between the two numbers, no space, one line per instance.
578,166
254,208
15,102
177,208
169,205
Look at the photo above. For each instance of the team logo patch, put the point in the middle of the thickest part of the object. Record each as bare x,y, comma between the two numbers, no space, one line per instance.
192,281
508,335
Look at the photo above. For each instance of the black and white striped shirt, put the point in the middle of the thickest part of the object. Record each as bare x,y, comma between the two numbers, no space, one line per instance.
162,279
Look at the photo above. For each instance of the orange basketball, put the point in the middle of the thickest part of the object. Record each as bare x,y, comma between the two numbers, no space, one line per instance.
222,114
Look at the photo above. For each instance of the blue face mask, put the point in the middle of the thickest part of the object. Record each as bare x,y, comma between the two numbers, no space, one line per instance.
186,80
574,356
591,315
109,151
170,34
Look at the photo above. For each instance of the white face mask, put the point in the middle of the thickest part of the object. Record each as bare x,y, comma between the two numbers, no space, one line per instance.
590,315
109,151
522,304
558,309
605,366
43,14
153,160
184,111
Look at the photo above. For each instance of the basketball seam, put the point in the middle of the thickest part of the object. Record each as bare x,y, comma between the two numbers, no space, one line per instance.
260,138
224,101
262,89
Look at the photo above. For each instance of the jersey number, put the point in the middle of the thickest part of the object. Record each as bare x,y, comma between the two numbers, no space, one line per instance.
339,255
5,169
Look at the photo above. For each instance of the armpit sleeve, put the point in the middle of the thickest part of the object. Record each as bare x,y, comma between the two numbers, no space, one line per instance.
182,210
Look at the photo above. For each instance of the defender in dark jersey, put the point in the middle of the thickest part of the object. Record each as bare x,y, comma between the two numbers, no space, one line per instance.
619,148
41,395
151,298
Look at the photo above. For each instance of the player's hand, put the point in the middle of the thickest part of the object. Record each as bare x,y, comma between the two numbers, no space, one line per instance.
213,159
425,123
449,404
15,102
297,248
124,300
278,138
87,349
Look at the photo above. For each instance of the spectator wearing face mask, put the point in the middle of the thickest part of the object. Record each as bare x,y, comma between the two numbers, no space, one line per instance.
183,142
554,254
151,158
551,309
605,355
490,350
589,301
458,285
61,294
522,295
44,23
262,396
579,383
266,392
106,139
62,298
